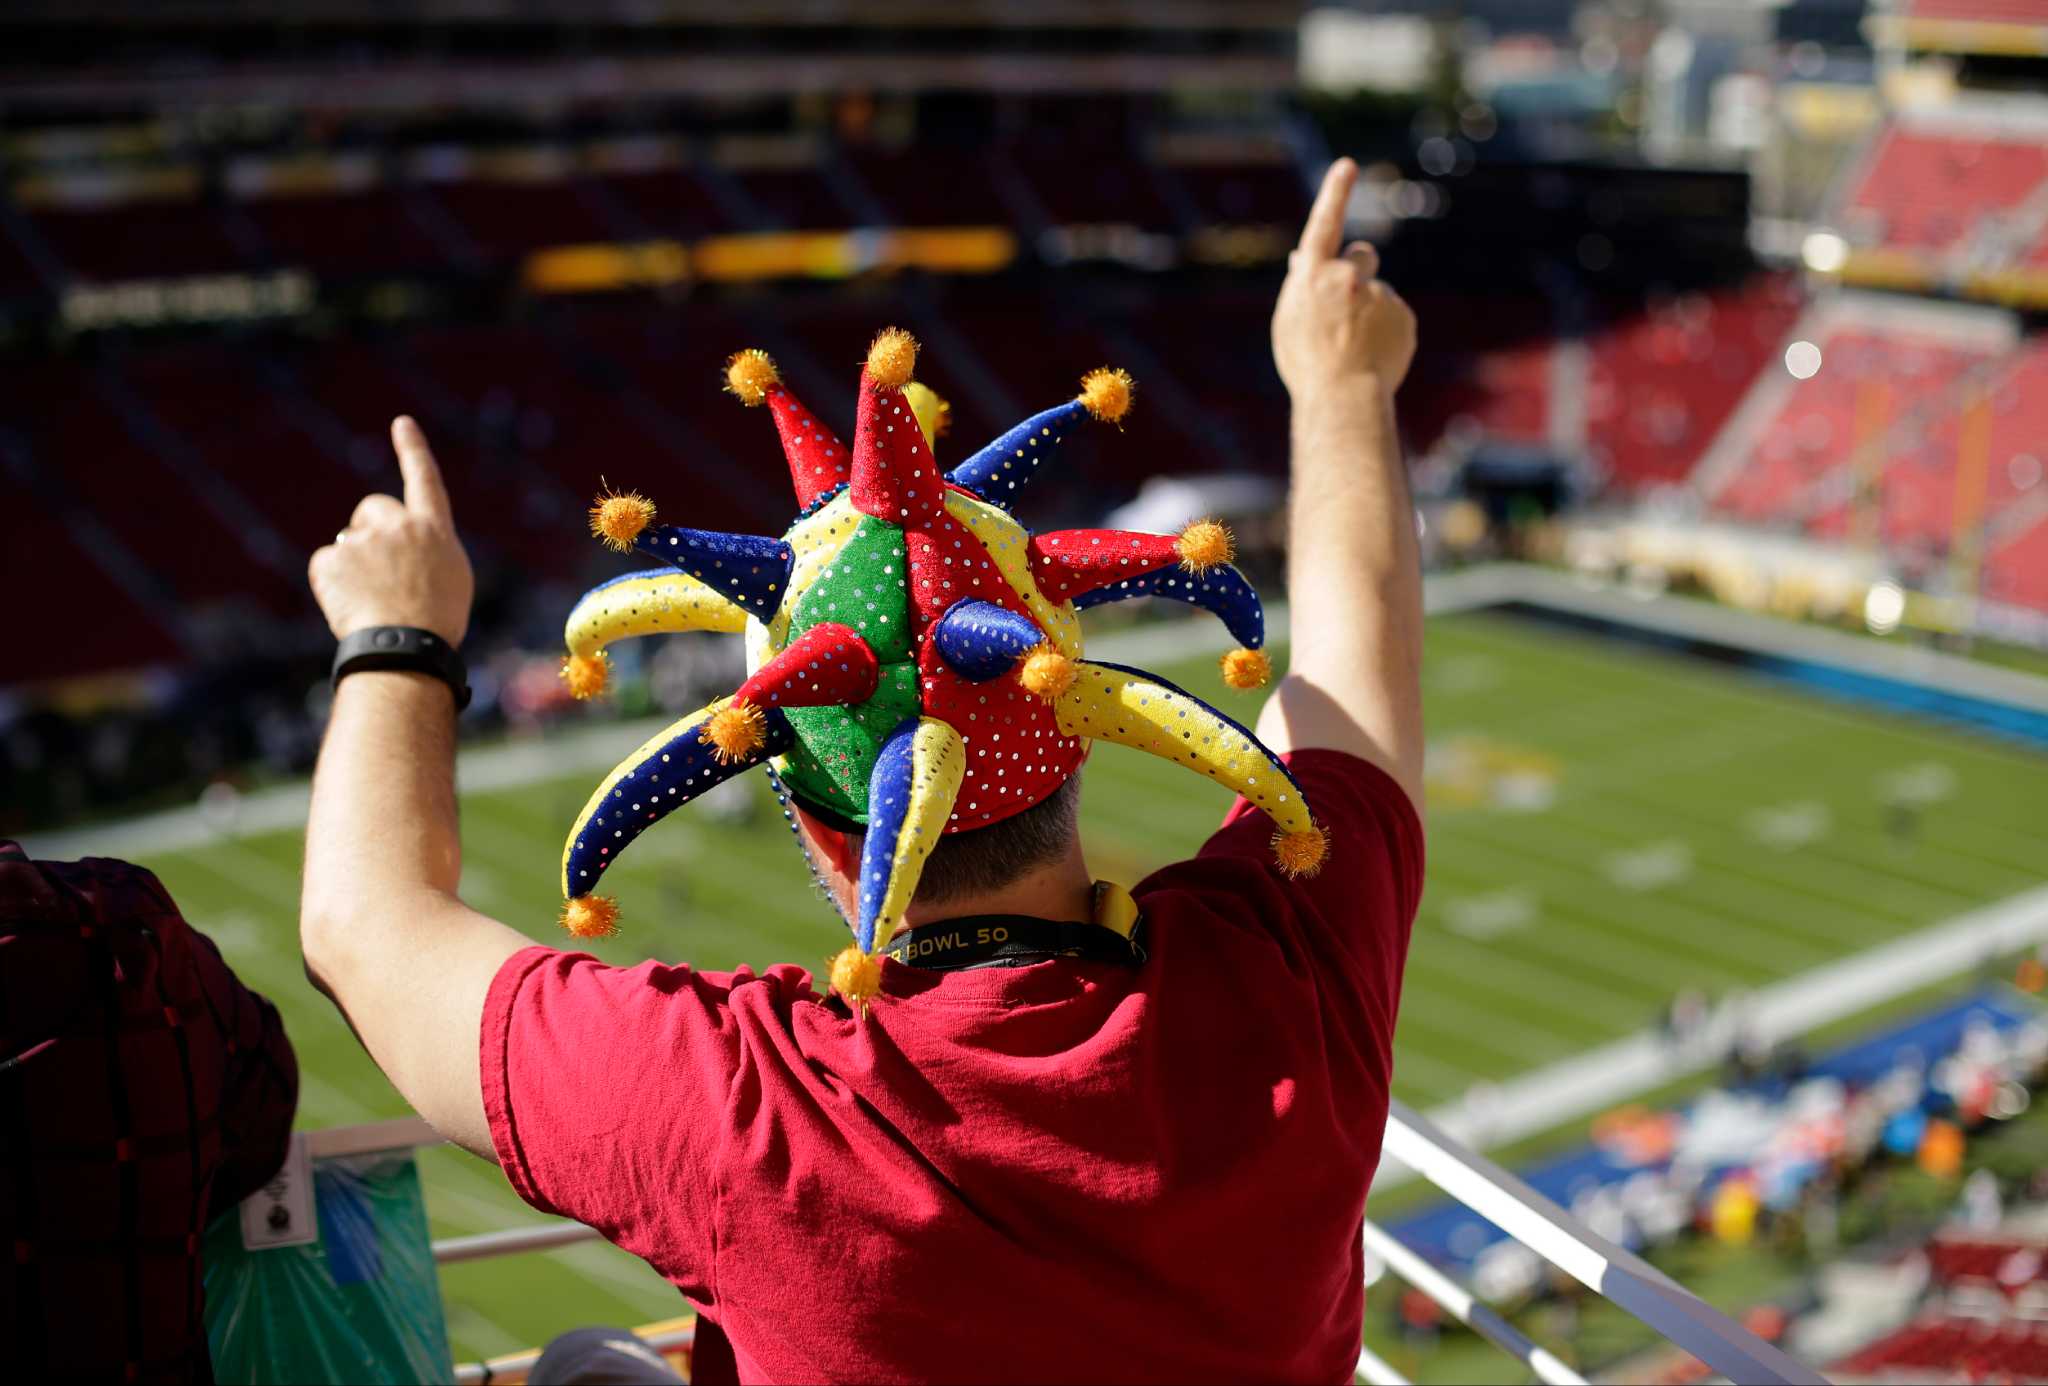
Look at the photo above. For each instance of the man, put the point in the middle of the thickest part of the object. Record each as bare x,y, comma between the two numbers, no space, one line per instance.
1144,1160
144,1091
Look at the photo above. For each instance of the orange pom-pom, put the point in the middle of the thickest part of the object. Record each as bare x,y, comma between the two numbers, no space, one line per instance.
1204,544
1106,393
591,916
735,731
618,518
1246,668
856,976
1046,672
1301,854
586,675
749,373
893,357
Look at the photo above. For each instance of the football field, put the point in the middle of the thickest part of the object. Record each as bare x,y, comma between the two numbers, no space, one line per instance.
1607,823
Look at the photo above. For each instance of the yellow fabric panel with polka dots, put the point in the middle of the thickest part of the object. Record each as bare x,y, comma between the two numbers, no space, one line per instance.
938,763
1129,709
1006,542
816,540
648,604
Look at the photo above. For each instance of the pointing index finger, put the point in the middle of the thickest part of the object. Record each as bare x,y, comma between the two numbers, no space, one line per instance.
1323,235
425,495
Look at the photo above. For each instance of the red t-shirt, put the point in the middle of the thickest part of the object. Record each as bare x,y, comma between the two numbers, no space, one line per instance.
1067,1171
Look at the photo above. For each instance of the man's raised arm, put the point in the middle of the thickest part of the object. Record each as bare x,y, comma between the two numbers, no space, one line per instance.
1342,341
384,935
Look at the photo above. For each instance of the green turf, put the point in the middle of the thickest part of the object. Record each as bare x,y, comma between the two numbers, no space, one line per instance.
1606,824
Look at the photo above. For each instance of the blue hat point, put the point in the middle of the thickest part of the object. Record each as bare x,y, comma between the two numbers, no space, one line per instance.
751,570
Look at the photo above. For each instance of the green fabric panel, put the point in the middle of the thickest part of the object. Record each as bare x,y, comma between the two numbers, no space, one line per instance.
836,746
866,587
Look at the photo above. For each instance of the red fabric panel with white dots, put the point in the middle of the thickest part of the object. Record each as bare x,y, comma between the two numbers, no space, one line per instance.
827,666
818,461
1015,752
894,475
1068,562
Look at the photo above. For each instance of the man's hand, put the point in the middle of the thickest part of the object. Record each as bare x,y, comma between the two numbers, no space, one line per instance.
398,563
1336,325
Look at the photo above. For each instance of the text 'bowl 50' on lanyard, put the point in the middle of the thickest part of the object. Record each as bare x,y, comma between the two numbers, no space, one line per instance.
1018,940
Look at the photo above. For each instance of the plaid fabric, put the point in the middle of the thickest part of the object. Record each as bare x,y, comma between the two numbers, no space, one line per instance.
142,1090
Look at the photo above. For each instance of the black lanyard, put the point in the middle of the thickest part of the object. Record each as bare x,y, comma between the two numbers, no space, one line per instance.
1011,940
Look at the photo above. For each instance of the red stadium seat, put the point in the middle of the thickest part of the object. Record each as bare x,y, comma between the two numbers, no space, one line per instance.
1660,383
1929,190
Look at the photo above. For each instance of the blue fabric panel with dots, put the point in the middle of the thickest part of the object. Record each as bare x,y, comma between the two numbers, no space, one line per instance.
667,777
752,570
1222,590
981,641
1210,708
637,575
1000,471
888,806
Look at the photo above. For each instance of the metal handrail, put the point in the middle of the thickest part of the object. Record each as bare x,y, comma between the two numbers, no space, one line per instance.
667,1336
1457,1301
1621,1277
542,1237
1617,1275
1375,1369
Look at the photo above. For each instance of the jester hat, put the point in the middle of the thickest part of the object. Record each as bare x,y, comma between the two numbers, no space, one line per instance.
914,654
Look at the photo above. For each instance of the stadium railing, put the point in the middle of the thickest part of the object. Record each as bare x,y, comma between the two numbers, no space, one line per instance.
1631,1284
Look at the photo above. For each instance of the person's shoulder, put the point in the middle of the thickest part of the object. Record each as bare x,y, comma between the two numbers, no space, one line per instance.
91,889
1336,780
555,974
1372,869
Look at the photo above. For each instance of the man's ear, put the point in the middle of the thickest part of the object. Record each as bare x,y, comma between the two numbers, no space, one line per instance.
833,846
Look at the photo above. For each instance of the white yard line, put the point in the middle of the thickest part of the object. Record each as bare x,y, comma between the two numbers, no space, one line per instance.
1574,1088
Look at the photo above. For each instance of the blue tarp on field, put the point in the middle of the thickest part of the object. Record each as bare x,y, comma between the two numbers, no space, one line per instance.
1452,1235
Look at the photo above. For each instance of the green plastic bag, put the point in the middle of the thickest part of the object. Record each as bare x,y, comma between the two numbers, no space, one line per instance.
361,1303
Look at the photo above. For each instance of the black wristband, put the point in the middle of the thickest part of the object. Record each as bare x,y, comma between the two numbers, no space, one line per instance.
405,648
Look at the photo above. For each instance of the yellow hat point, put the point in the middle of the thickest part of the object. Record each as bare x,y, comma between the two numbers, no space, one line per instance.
618,517
934,415
1106,393
586,675
591,916
1046,672
749,373
1204,544
892,358
735,731
1302,853
1244,668
856,976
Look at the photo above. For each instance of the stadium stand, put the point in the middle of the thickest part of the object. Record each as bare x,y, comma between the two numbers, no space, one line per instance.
1985,1320
1971,1350
1661,381
499,220
1488,374
2016,570
1933,188
375,230
1873,385
1919,432
187,235
2012,1265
